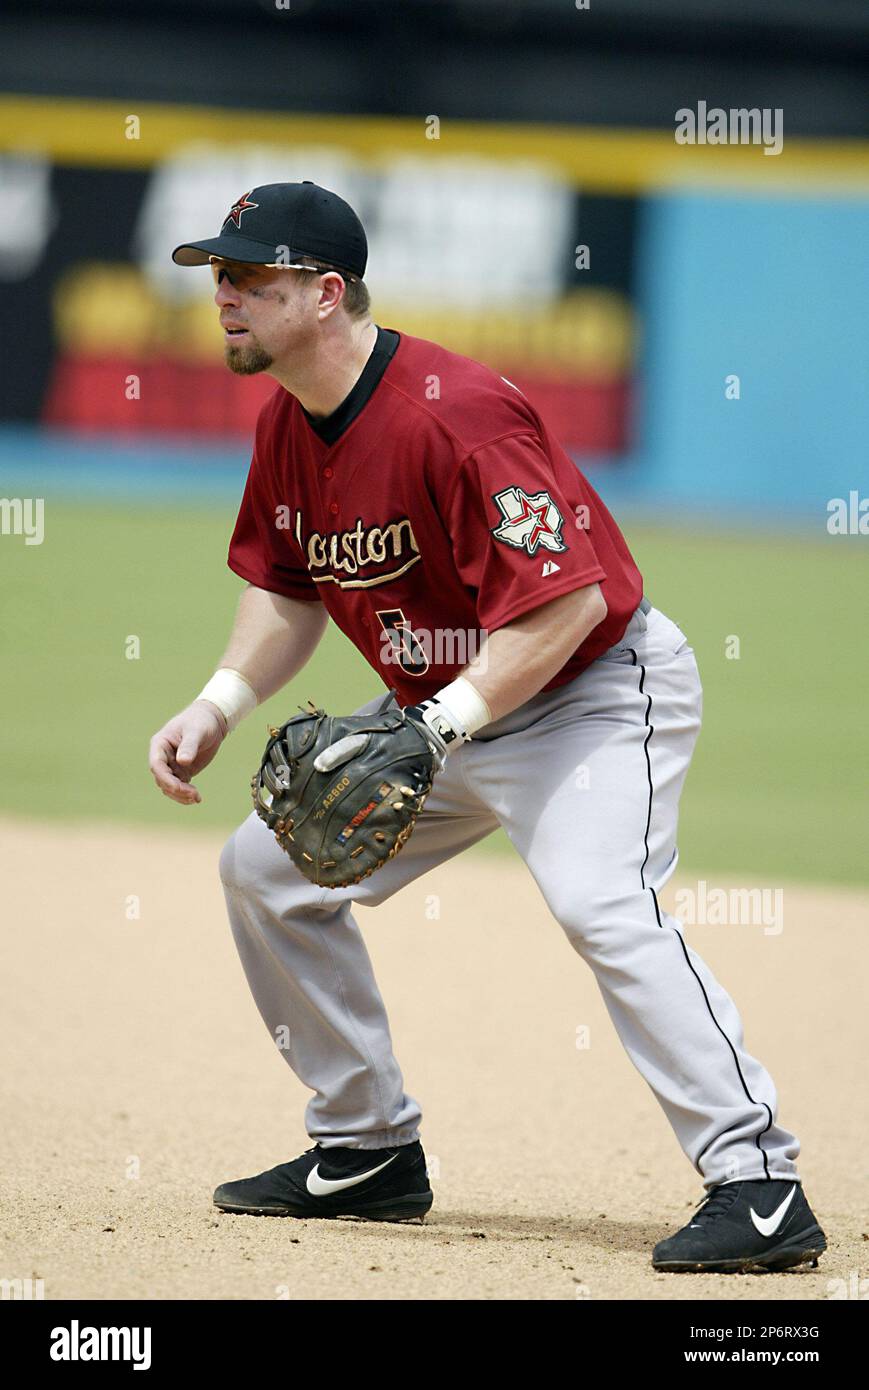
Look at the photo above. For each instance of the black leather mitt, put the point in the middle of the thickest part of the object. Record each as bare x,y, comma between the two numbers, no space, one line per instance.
342,794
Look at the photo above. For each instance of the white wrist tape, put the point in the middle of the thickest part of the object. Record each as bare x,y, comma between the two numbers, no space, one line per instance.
465,702
234,696
456,712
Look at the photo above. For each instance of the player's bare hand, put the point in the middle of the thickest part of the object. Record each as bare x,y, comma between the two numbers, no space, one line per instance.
183,747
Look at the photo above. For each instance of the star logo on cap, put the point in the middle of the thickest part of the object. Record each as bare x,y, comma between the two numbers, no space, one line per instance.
235,212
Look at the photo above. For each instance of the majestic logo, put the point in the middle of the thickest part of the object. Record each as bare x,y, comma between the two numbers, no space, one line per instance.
529,521
235,212
340,557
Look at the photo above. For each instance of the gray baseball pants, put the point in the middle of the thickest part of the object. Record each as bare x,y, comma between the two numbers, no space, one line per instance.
586,781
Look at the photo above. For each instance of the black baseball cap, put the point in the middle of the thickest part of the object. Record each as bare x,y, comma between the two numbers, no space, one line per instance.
269,223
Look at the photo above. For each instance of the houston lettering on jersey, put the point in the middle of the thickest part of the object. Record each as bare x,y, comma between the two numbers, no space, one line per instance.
433,519
376,554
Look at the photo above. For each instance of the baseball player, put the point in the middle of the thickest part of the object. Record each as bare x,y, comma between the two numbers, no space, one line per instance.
420,500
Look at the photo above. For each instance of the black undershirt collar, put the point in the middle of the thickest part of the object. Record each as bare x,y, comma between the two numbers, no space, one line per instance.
329,428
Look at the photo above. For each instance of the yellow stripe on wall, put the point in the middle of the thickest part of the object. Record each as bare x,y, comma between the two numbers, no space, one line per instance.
604,160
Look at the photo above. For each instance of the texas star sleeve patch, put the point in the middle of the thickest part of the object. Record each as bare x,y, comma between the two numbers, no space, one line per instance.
528,521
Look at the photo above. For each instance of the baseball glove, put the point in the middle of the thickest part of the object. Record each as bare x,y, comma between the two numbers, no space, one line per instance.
342,794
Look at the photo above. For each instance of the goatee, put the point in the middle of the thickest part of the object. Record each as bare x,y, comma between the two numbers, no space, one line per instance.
246,361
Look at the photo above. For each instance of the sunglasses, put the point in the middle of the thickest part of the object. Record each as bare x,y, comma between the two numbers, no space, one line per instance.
243,276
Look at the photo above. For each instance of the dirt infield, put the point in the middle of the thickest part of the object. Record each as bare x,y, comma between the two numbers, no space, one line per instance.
138,1075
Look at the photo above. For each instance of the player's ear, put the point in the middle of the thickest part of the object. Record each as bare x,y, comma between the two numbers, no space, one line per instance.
331,293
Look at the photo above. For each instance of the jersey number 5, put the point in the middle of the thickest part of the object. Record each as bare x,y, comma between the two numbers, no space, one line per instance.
405,648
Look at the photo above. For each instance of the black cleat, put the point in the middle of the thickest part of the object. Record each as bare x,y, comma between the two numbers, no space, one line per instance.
378,1184
745,1226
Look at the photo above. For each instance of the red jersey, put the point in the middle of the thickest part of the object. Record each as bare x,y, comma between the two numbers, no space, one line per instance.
444,510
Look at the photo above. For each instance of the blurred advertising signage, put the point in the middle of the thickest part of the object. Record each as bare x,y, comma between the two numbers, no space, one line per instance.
489,258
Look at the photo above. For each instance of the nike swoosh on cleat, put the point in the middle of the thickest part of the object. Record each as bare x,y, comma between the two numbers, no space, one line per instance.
768,1225
321,1187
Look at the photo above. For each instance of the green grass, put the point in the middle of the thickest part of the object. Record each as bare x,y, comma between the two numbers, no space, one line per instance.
778,783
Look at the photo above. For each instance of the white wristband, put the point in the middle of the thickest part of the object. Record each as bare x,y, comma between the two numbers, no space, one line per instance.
456,712
234,696
466,704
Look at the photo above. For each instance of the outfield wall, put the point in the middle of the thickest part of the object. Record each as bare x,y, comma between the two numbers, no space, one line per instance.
710,356
754,370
